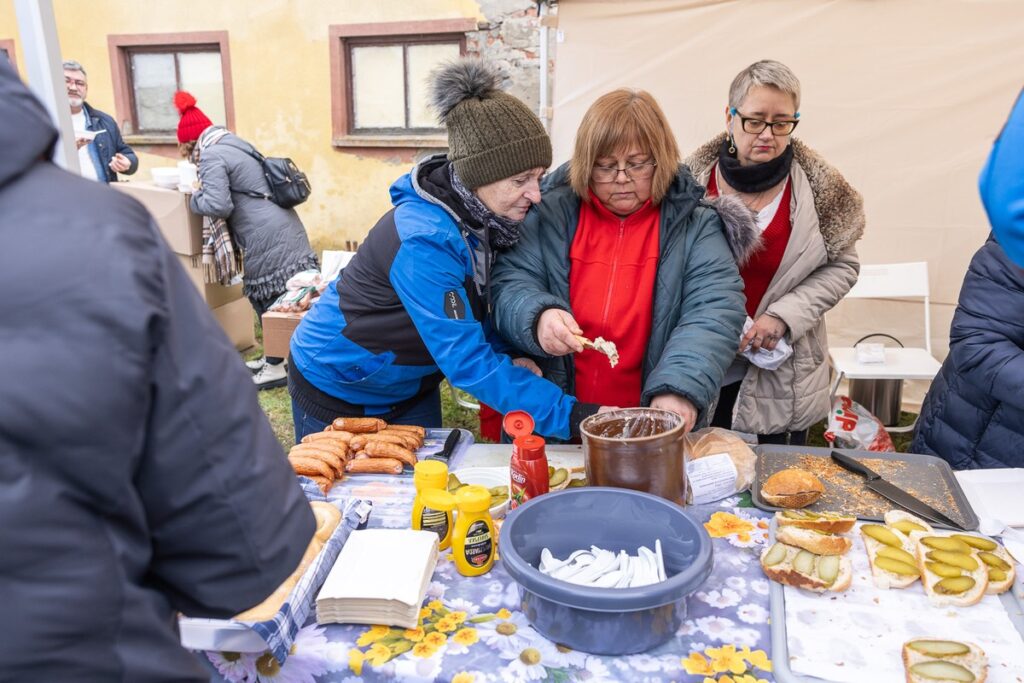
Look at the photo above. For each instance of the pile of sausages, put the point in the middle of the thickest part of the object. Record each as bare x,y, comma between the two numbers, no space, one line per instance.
355,445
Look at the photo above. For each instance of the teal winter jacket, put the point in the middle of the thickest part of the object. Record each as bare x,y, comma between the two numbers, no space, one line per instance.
698,293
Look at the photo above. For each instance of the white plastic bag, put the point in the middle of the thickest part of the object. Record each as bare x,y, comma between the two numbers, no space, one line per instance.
851,425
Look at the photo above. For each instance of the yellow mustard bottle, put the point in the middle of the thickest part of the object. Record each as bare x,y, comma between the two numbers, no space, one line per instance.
432,475
473,545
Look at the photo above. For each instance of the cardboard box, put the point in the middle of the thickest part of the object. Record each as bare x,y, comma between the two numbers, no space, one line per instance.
237,320
215,296
277,332
182,229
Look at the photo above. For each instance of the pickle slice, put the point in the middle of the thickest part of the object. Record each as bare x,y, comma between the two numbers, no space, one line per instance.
579,481
897,554
994,561
977,541
956,586
942,671
828,568
938,648
559,476
906,526
795,514
804,562
946,543
896,567
775,555
943,570
996,575
882,535
956,559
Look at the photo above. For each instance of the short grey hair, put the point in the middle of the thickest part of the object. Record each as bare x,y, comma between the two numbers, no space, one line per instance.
766,72
72,65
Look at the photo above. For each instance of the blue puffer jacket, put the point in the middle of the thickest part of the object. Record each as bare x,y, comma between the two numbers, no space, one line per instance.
973,415
409,308
698,295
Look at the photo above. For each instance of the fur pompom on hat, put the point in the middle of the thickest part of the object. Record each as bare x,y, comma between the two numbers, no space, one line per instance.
193,121
491,134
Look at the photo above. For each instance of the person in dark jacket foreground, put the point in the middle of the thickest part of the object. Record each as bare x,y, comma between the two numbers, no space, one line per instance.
413,306
138,476
624,248
973,415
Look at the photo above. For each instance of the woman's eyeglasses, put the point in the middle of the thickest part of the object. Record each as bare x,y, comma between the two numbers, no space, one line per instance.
608,174
755,126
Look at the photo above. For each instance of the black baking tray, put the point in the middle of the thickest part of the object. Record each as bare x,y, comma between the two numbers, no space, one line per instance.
928,478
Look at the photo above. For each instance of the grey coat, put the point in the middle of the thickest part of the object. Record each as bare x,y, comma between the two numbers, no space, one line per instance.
818,268
272,240
698,294
138,476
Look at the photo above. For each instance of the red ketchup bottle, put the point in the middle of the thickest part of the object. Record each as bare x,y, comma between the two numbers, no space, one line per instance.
528,468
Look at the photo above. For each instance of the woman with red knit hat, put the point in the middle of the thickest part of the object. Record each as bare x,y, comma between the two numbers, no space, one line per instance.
238,219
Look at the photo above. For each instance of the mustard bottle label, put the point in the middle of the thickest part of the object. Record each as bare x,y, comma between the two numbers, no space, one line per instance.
434,520
478,546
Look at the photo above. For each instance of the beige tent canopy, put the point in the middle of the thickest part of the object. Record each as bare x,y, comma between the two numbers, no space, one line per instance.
904,96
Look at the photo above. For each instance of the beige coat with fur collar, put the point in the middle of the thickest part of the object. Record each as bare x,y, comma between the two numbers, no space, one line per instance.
818,268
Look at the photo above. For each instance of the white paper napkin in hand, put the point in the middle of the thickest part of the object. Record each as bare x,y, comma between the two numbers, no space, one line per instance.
765,359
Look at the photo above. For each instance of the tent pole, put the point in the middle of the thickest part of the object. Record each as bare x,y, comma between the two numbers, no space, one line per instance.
38,31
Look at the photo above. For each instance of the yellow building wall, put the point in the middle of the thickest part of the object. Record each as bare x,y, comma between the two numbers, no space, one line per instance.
281,73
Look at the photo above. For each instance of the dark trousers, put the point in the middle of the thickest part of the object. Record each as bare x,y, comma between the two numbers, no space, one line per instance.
723,418
261,307
426,413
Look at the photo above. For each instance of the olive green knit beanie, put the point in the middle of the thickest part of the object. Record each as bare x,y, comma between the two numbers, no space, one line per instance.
491,134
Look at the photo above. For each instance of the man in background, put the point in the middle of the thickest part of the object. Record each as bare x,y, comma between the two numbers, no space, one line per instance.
102,152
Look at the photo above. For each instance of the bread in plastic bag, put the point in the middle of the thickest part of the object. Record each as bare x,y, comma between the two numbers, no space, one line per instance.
718,483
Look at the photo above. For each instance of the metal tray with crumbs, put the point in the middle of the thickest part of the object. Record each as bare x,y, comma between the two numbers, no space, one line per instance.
928,478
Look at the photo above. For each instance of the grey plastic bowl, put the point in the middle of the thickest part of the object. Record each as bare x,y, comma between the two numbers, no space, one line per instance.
605,621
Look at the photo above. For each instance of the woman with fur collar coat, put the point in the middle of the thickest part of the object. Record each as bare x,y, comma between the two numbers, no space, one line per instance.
810,219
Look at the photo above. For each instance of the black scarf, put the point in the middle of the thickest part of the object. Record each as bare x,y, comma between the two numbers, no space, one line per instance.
756,178
502,233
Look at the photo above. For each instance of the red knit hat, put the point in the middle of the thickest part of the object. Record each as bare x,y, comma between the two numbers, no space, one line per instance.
193,120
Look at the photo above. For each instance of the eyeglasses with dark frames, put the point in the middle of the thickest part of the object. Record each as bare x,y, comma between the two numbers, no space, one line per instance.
755,126
608,174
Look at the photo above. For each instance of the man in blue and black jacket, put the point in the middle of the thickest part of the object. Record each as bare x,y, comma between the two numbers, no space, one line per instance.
413,305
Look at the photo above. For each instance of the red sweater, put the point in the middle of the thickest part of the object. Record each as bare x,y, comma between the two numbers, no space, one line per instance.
761,268
613,263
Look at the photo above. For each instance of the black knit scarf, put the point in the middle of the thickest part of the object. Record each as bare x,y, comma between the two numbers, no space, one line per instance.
756,178
502,233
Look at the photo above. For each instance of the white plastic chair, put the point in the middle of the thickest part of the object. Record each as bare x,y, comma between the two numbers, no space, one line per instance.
891,281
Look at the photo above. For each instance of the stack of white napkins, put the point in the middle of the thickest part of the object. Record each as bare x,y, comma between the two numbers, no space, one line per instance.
381,577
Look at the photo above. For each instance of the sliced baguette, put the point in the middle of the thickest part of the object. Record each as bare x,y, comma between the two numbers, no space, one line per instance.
785,572
817,542
995,585
974,661
930,579
832,522
883,578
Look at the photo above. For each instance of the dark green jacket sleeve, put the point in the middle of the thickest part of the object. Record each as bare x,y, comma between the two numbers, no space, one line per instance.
704,341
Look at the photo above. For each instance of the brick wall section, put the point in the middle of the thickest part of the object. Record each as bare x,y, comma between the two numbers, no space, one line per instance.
510,37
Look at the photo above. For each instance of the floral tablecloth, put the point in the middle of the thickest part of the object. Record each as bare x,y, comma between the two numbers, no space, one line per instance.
472,630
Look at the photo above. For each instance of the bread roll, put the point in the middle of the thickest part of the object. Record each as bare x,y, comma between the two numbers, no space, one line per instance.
830,522
930,660
788,569
817,542
792,488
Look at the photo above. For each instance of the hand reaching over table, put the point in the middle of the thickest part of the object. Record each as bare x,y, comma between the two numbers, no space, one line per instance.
556,332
